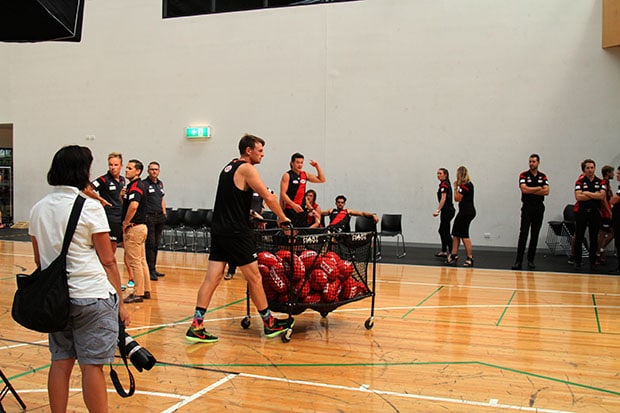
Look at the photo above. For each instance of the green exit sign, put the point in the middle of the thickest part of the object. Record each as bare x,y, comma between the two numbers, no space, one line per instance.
198,132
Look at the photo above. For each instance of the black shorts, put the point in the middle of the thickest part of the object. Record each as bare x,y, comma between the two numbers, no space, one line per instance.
235,250
460,228
116,231
606,224
298,219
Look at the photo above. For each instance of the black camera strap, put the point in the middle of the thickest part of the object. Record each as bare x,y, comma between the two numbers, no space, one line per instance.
123,350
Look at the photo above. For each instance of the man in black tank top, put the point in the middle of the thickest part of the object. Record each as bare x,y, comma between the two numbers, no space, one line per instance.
232,240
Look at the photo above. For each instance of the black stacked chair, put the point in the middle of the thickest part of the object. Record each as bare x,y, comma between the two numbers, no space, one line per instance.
170,236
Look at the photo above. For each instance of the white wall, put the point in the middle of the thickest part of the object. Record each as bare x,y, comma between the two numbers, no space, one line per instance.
380,92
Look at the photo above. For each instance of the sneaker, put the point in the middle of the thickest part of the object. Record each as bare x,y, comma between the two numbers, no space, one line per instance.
441,254
571,259
278,327
123,287
132,298
199,335
228,276
130,284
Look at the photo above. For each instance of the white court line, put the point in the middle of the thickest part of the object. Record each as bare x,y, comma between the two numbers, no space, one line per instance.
362,389
198,394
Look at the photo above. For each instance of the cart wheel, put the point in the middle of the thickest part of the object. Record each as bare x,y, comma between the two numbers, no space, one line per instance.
286,337
245,323
369,324
324,314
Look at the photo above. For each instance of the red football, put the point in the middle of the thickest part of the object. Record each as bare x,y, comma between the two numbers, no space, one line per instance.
267,258
331,291
345,268
349,289
284,255
361,288
301,289
332,254
312,298
309,258
299,270
278,280
318,279
330,266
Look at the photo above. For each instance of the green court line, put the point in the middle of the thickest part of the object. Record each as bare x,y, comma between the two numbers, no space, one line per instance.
506,308
407,363
422,302
598,321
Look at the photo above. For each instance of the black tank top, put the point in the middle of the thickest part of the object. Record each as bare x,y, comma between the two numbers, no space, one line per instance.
231,213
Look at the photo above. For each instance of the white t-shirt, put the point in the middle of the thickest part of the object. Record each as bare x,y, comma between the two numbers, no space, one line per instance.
48,222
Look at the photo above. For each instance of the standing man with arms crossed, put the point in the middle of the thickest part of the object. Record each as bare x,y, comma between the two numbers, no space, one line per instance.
615,219
590,191
134,232
155,217
534,186
293,188
232,239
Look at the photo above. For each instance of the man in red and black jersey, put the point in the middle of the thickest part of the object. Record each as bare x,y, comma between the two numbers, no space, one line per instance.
340,217
606,233
232,241
135,231
615,218
109,189
534,186
590,191
293,189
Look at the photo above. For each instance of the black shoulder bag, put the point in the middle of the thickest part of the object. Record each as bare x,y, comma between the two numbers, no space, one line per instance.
41,302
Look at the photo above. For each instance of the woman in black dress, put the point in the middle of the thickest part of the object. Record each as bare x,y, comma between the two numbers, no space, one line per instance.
464,195
446,210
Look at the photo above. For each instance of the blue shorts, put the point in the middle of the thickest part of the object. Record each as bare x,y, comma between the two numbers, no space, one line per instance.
92,333
236,250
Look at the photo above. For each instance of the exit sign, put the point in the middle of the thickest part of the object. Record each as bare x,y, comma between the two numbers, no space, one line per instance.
198,132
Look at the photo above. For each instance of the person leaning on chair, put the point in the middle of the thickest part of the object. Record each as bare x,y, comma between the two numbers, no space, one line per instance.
534,186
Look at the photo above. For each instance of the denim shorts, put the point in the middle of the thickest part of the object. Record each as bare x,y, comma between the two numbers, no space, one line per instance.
92,333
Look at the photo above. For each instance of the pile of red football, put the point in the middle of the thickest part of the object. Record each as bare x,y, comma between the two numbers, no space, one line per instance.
315,278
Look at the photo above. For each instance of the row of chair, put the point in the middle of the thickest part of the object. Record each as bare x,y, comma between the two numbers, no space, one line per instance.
560,234
187,230
190,230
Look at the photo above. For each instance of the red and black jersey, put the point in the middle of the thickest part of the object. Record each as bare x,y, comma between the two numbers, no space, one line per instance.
586,185
608,194
232,205
339,220
136,192
445,188
531,180
615,209
296,190
466,204
109,189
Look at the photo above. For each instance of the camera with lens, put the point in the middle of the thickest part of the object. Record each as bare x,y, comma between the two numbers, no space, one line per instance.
140,357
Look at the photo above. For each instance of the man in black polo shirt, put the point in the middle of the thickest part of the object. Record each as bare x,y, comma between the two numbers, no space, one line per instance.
109,189
590,190
534,187
155,217
134,232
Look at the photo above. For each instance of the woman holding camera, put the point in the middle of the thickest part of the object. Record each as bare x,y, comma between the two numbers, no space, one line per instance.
93,278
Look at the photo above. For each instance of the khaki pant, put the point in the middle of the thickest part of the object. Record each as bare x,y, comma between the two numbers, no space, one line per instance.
135,257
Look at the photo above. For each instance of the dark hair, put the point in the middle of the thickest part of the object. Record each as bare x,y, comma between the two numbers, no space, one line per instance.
137,164
585,161
71,167
154,163
606,170
535,155
446,173
311,191
296,155
344,198
249,141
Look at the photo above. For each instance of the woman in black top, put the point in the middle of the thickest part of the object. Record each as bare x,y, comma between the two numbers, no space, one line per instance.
464,195
446,209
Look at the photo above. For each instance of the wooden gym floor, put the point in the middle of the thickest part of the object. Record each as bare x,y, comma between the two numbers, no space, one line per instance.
444,339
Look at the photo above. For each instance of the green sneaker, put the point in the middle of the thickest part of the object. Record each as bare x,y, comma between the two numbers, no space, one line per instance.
199,335
278,326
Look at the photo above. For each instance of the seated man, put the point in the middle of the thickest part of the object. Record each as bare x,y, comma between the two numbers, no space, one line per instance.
340,217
